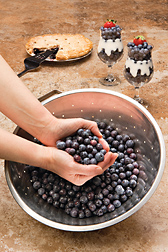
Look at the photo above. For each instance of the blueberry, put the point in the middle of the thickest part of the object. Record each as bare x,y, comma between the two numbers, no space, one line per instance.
77,158
62,192
105,192
86,161
36,185
76,188
83,154
130,44
93,142
99,146
41,191
68,143
95,138
55,196
80,139
114,133
140,46
110,208
121,147
115,144
130,167
81,214
61,145
92,207
90,195
99,157
93,161
133,183
98,203
117,203
123,198
82,147
75,145
114,177
103,151
122,175
135,171
74,212
102,125
145,44
89,148
106,201
44,196
97,181
88,213
80,132
125,138
71,151
119,189
110,139
149,47
94,151
83,199
49,200
129,192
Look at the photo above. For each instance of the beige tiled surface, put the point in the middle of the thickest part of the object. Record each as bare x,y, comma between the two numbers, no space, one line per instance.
147,229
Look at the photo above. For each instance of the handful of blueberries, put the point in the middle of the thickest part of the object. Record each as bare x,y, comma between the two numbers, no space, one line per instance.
103,193
83,146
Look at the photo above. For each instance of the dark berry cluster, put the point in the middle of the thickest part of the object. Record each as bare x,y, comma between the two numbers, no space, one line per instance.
111,33
52,56
140,52
103,193
83,146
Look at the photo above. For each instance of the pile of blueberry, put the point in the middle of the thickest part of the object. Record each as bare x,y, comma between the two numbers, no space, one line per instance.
102,194
139,52
52,56
83,146
111,33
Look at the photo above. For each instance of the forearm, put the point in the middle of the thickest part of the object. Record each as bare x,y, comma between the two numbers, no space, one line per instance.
19,104
15,148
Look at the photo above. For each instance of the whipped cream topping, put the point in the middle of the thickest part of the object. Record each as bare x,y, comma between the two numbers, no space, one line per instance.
110,45
143,65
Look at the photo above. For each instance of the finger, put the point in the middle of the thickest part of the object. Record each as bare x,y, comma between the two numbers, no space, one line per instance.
109,159
87,170
104,144
92,126
79,180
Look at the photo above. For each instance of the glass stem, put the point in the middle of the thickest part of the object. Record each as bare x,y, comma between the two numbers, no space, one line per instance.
110,76
136,96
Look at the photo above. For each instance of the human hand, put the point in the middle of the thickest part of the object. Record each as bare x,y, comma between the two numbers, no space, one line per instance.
61,163
59,128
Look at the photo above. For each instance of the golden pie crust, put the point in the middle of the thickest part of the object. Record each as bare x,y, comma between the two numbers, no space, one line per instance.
70,46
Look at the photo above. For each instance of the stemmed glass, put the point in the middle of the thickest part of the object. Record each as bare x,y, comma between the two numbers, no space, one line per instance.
110,51
138,68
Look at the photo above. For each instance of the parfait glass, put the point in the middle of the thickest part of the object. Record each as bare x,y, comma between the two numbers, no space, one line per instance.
139,72
110,51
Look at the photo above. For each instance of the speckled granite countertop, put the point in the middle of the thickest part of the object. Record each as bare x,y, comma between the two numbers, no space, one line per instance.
147,229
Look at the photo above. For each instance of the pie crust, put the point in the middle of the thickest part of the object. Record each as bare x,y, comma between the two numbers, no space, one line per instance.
70,46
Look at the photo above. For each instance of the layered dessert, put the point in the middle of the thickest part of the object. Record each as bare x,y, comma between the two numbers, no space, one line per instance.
110,47
139,66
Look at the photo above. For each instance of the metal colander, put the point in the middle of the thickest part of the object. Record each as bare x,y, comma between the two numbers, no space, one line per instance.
129,117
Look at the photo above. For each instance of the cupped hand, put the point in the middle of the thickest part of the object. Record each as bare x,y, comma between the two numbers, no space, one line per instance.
61,163
59,128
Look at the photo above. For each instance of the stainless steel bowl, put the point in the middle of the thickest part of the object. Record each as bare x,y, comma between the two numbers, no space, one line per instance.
129,117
